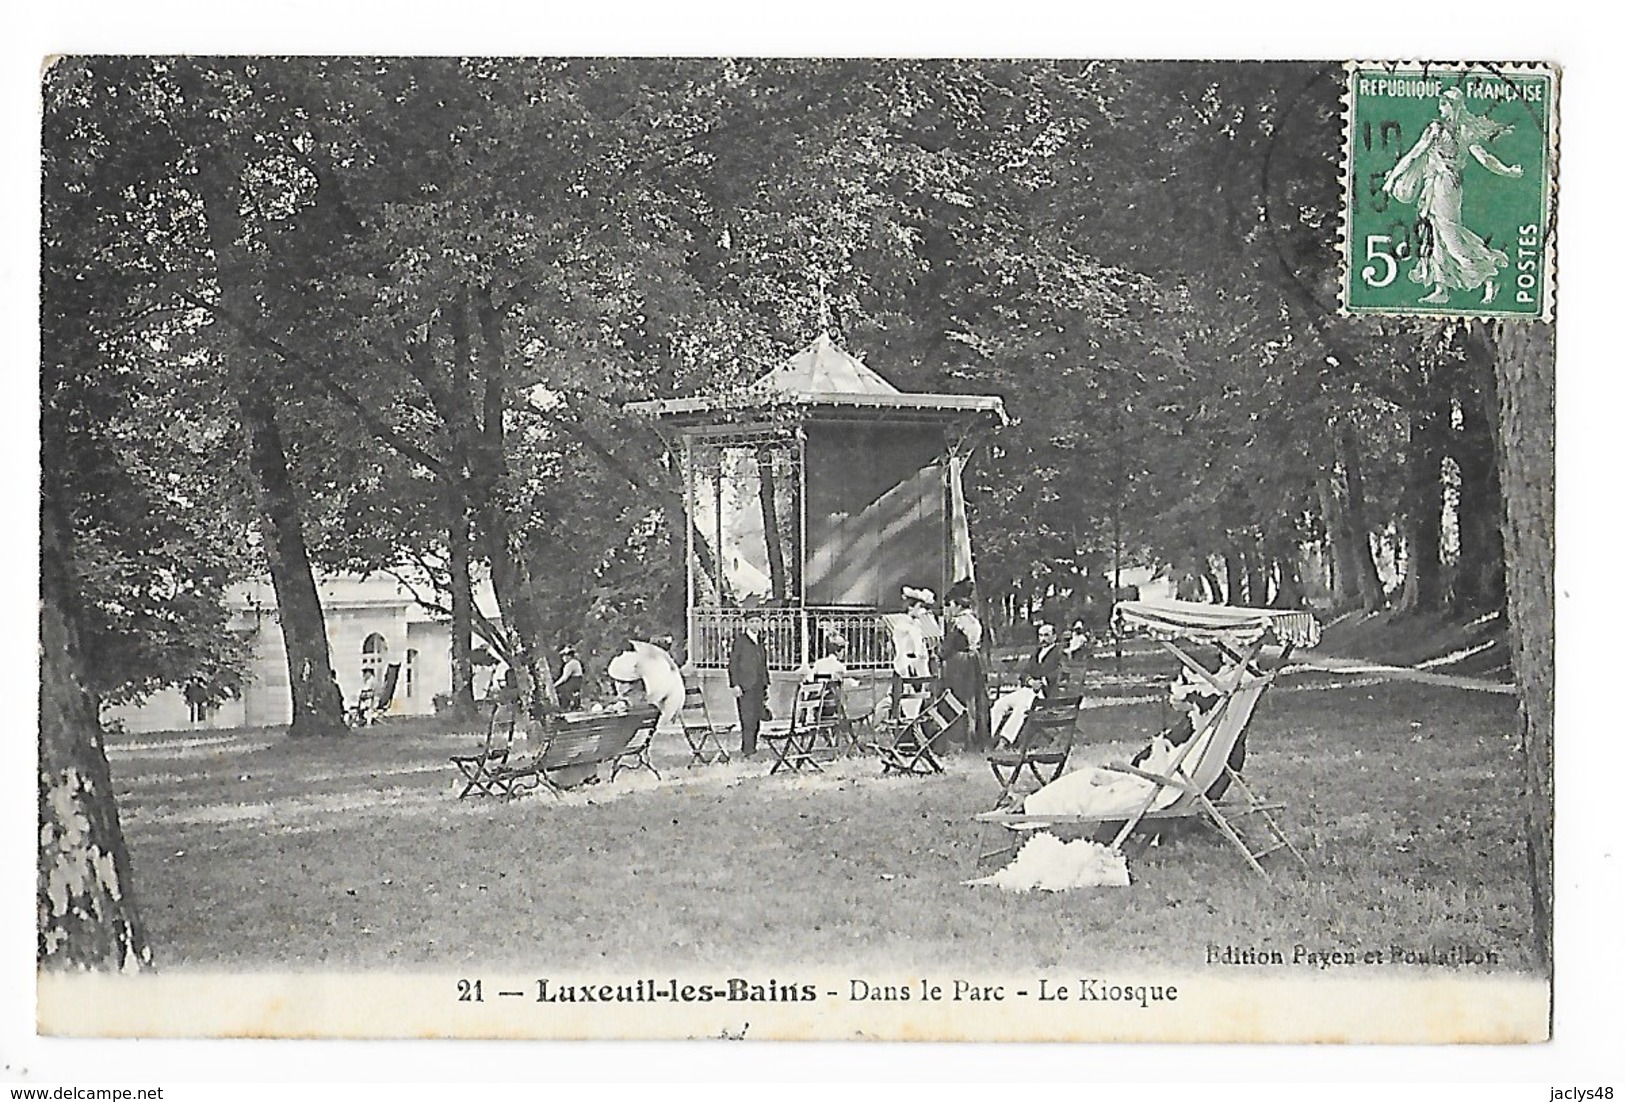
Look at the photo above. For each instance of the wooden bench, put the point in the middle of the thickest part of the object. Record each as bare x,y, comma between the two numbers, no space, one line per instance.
576,744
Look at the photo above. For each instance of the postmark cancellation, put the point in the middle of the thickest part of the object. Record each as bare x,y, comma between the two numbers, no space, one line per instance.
1449,193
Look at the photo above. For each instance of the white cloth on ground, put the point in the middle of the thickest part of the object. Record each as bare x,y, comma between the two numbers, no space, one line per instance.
1046,863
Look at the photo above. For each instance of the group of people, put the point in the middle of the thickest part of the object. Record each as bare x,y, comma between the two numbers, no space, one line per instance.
945,653
648,664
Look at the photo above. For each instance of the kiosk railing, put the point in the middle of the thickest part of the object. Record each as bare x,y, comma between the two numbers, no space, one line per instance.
793,636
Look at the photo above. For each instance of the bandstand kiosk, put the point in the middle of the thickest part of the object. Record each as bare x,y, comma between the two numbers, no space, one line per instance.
814,495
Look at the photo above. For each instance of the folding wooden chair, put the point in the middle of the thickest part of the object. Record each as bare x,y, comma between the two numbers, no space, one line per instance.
480,771
912,750
386,695
807,738
909,697
851,723
700,731
1041,749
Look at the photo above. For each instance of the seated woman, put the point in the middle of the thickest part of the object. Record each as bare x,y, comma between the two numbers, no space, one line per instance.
832,665
1191,690
1103,793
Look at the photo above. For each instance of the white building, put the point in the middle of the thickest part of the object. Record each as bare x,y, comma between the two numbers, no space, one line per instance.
372,623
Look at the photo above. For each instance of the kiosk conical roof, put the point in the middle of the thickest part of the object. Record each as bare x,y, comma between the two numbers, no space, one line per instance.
823,379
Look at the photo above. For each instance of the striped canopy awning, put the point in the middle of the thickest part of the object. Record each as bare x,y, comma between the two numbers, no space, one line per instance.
1223,623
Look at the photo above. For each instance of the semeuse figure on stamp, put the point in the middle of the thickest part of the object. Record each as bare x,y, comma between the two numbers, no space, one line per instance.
1450,256
747,675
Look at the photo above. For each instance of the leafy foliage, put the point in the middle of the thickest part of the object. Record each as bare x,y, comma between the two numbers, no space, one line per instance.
463,269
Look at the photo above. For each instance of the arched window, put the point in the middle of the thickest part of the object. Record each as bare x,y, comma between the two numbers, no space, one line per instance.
374,656
409,673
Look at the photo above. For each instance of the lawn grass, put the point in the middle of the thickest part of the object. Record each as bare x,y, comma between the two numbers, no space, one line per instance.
254,852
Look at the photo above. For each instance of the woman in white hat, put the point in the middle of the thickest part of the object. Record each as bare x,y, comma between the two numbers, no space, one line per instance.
915,637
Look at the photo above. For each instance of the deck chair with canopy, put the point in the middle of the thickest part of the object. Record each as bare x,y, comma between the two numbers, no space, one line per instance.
1186,784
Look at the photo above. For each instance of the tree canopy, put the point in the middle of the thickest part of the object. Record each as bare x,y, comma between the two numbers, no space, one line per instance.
441,280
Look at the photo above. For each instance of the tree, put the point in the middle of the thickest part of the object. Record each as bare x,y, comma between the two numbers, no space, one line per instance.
86,910
1526,447
215,119
139,446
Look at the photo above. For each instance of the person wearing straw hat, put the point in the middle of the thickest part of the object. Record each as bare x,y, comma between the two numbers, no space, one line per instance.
918,636
831,665
915,637
570,680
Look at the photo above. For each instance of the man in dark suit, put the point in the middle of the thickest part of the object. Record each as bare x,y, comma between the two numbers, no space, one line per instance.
1044,664
747,674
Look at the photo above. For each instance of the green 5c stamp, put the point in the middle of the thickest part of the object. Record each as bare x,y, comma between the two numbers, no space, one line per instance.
1448,187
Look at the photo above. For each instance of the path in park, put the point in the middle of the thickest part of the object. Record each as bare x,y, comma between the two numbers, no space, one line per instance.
1357,666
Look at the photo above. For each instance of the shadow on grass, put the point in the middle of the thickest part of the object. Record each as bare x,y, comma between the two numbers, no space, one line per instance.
255,853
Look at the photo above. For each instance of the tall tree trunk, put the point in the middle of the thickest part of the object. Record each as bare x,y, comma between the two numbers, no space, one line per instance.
1234,577
318,706
521,620
1345,594
1424,505
458,416
510,572
1526,454
767,494
84,894
1257,565
1358,531
462,608
1288,564
1481,576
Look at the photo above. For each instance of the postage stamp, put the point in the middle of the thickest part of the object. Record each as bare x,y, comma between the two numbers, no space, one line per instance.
1449,180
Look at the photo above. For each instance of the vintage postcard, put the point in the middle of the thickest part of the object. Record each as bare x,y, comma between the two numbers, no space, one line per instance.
763,548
